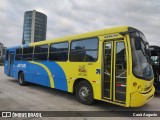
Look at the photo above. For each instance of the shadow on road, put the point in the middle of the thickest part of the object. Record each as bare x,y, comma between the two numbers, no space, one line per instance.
104,106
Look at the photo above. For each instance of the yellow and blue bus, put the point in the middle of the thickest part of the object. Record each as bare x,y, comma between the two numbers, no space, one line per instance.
110,65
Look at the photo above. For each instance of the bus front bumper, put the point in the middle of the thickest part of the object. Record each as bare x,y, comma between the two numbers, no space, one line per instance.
139,99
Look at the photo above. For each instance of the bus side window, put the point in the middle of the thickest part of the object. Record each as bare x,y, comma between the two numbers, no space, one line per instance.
59,51
27,53
41,52
18,54
85,50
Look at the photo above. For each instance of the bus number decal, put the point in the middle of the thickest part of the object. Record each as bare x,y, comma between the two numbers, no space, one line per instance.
111,36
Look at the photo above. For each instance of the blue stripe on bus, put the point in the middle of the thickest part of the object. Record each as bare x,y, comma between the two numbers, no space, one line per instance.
36,73
60,81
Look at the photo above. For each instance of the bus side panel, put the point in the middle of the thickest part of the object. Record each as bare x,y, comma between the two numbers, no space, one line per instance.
28,71
15,71
59,77
32,73
88,71
21,66
42,73
47,74
39,74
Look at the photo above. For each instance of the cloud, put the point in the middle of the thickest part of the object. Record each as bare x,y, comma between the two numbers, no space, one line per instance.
67,17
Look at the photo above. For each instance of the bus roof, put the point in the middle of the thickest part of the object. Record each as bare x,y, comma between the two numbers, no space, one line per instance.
154,48
78,36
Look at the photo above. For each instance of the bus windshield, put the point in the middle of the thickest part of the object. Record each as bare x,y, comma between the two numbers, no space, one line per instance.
141,66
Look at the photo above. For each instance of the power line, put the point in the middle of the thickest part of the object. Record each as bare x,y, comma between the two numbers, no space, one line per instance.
58,19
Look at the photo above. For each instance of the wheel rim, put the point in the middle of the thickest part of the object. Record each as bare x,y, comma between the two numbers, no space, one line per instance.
84,93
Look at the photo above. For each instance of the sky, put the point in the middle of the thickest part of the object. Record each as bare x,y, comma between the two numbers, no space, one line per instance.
68,17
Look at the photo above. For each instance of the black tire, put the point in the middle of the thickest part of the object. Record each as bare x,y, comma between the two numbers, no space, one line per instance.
21,79
84,93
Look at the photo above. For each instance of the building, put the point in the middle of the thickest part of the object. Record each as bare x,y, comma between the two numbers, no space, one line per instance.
34,27
2,52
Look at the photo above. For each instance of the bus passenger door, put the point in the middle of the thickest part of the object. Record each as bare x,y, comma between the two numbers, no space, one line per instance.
108,66
10,63
114,85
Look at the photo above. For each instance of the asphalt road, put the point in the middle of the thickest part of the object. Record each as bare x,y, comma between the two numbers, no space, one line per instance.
14,97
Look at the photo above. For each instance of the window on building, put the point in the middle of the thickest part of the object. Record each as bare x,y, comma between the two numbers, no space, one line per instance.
41,52
26,39
27,32
84,50
25,35
27,53
59,52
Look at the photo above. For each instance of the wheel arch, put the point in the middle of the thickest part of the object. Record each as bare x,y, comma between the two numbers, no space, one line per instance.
78,81
20,71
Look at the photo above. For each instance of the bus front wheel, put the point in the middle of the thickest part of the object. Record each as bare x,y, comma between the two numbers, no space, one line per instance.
84,93
21,79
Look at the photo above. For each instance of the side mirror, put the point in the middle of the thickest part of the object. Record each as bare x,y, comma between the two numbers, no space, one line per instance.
137,42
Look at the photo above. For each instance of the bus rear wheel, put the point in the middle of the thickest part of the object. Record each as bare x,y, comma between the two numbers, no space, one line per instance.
21,79
84,93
